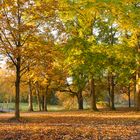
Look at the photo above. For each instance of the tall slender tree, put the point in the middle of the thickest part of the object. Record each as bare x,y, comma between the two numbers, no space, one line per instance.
19,20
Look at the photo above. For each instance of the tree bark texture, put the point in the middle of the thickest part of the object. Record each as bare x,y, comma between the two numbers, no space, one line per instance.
80,100
93,95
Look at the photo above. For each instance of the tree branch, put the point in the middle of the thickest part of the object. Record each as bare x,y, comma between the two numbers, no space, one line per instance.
8,53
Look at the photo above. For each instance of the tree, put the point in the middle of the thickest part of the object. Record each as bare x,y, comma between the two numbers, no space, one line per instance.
129,19
20,19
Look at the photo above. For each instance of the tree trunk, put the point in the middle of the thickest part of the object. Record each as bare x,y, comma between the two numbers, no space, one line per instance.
45,102
112,93
45,99
38,98
80,100
18,66
93,95
129,98
135,83
42,102
17,88
138,73
138,91
109,91
30,98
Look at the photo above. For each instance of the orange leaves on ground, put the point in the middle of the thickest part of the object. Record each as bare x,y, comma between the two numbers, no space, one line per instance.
73,125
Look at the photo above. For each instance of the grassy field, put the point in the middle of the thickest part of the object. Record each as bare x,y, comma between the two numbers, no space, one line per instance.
71,125
24,107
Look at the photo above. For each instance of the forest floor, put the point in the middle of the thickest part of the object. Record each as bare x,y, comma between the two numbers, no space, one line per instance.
71,125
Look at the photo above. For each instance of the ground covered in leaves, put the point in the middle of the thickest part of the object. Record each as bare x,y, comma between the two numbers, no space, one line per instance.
73,125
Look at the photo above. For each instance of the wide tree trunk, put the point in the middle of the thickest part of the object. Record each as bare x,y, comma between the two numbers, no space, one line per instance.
17,88
112,93
80,100
93,95
30,97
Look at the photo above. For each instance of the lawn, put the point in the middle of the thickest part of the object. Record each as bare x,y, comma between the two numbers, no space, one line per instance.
24,107
71,125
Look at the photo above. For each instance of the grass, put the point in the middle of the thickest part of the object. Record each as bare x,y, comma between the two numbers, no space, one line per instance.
72,125
24,107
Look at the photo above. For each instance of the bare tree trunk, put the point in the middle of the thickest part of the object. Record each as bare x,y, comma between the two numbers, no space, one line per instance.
112,93
18,66
45,102
93,95
45,99
138,91
38,98
129,98
17,88
135,83
30,98
138,73
42,102
109,91
80,100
